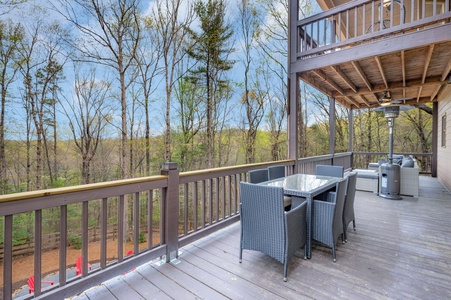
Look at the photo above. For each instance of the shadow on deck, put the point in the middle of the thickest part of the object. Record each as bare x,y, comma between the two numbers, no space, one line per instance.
401,250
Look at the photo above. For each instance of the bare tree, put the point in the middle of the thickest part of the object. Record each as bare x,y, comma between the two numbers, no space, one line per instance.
188,102
276,113
253,103
171,22
110,34
273,45
88,116
7,6
10,37
148,58
42,67
273,42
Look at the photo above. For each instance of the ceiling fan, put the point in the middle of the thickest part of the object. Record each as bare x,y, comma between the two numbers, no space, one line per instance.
386,99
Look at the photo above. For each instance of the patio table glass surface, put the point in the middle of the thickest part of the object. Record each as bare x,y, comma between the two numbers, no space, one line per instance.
306,186
302,184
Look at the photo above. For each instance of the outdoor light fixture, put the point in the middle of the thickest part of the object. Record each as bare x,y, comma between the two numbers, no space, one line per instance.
386,3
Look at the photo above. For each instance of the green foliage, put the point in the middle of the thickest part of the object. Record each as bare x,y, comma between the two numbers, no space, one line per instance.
142,237
75,241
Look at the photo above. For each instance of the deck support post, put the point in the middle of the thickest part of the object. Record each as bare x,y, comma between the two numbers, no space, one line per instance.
332,128
434,138
171,209
351,135
293,123
293,87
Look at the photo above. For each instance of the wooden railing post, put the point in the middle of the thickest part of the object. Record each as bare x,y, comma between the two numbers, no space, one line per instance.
171,209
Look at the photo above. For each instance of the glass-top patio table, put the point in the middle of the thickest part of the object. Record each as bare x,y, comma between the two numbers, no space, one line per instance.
306,186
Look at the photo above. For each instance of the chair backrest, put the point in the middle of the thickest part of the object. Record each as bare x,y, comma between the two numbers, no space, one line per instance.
275,172
78,266
262,210
348,211
339,205
30,283
257,176
327,170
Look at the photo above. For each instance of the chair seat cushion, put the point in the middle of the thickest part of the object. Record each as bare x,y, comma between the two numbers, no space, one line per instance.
286,201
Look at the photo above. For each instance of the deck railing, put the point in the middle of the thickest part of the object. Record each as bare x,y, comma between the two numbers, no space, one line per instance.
307,165
358,22
168,211
362,159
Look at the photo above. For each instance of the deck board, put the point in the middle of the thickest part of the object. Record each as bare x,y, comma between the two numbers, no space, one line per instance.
400,250
144,287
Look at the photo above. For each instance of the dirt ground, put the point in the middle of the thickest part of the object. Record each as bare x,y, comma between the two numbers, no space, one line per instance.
23,266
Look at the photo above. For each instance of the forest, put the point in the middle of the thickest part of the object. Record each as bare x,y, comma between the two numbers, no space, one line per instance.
100,90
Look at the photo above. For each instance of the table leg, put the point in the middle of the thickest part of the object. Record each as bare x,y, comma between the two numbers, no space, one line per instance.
309,227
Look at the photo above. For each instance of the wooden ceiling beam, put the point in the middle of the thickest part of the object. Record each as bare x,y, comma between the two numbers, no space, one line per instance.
366,101
381,70
395,86
343,103
437,89
312,82
443,90
349,99
375,98
419,93
324,77
403,67
345,78
446,71
420,100
426,63
362,75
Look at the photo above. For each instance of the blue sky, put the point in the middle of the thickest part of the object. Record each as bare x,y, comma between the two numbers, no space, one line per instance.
16,114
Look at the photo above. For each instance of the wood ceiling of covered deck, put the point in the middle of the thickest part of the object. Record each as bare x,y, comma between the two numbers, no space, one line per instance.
411,59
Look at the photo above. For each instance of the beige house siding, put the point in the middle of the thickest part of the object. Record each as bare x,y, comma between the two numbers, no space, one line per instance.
444,153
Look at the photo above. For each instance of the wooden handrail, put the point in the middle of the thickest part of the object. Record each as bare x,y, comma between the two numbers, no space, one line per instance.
77,188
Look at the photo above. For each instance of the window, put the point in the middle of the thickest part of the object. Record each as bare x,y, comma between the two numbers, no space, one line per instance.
444,130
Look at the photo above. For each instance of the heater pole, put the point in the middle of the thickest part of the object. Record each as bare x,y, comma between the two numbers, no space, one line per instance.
391,122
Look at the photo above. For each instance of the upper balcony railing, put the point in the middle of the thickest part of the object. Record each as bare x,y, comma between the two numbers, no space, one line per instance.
362,21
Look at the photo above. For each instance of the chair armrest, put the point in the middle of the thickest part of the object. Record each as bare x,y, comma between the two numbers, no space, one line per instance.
323,213
296,214
296,233
296,201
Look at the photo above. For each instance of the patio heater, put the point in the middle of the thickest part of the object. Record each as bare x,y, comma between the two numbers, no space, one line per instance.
389,173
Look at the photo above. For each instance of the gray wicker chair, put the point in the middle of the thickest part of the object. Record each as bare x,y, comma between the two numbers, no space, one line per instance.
348,211
275,172
327,170
257,176
327,220
267,228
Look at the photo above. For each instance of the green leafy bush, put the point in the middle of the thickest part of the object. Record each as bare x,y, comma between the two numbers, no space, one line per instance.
75,241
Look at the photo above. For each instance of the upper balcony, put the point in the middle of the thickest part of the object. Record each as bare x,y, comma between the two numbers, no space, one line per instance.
364,53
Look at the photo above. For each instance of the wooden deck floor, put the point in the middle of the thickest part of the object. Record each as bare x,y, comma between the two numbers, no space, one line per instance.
401,250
